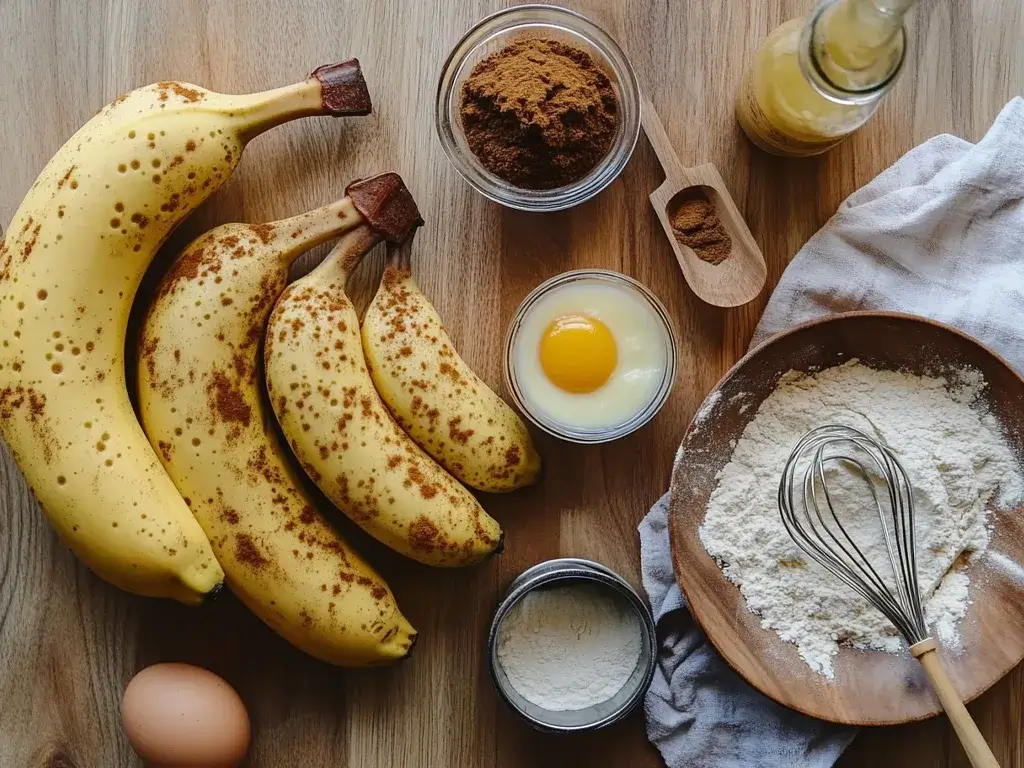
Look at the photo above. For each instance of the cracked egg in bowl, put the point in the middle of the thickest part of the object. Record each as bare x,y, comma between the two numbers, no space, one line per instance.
590,356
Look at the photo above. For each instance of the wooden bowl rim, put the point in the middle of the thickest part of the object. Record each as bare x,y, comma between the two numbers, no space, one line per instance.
673,517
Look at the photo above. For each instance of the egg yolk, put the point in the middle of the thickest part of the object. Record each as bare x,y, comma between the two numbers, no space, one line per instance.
578,353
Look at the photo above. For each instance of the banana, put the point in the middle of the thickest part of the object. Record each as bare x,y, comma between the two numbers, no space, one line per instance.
434,395
77,248
344,436
203,407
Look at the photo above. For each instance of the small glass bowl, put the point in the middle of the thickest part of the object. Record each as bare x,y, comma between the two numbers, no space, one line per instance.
591,435
491,35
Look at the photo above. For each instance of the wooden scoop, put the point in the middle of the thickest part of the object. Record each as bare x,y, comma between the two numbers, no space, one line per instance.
741,275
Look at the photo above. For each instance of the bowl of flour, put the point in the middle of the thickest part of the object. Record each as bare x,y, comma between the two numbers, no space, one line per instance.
571,646
954,414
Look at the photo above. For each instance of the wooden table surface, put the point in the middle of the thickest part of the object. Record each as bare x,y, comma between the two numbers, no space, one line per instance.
69,643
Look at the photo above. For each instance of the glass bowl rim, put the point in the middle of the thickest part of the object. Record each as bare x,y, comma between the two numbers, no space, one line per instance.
593,436
614,58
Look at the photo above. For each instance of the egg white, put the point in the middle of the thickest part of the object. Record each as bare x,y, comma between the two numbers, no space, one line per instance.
640,340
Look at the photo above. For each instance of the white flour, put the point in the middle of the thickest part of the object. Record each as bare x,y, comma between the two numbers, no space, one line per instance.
567,648
959,465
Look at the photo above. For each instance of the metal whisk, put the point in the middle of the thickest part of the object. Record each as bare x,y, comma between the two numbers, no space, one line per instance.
815,525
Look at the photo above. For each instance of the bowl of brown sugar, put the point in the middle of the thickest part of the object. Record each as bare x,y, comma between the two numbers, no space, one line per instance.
538,108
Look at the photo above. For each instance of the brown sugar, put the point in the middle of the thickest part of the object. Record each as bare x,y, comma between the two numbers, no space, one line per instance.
539,113
696,225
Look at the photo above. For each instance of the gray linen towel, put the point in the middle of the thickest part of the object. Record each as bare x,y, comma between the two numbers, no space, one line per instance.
940,234
701,714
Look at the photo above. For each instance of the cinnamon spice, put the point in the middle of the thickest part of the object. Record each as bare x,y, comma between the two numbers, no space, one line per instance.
696,225
539,114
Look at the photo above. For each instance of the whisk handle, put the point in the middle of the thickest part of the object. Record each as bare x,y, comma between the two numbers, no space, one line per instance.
973,742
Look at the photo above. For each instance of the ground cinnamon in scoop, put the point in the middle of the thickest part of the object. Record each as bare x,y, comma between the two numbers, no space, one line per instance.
696,225
539,113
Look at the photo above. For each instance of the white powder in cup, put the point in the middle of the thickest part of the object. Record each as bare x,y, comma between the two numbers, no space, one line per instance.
569,647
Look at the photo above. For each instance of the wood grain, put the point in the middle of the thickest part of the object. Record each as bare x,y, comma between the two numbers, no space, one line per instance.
69,644
869,688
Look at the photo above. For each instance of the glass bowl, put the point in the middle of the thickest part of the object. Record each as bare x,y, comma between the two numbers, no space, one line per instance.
491,35
569,432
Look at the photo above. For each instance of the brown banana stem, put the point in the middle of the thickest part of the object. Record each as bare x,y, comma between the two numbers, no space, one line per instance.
344,90
387,204
349,251
400,254
381,204
334,89
296,235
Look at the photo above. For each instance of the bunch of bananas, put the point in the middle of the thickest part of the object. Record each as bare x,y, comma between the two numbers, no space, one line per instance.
204,490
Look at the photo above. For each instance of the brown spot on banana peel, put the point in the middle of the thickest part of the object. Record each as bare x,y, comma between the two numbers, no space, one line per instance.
402,320
386,203
343,89
430,541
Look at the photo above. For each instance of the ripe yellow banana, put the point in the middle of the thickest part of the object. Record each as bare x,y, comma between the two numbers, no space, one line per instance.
75,253
344,436
203,408
435,397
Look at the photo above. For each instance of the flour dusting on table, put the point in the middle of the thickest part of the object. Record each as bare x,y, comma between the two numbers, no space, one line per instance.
959,464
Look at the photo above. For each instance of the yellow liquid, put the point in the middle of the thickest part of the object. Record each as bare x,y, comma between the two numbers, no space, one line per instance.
783,113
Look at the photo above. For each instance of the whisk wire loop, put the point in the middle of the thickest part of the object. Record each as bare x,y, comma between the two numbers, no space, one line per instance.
811,518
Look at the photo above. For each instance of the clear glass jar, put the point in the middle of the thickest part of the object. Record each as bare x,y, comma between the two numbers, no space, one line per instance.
491,35
644,413
817,79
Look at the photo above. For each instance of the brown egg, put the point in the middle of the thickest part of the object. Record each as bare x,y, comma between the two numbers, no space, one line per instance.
180,716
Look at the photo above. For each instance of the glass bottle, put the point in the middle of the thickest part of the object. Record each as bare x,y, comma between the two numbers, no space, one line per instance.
817,79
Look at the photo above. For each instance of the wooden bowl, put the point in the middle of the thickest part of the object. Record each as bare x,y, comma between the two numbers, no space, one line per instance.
870,688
